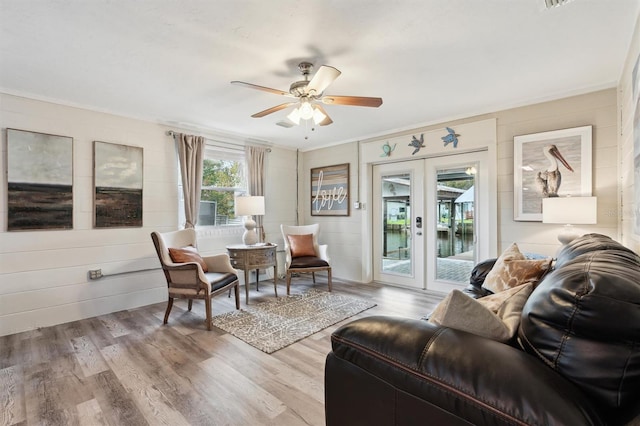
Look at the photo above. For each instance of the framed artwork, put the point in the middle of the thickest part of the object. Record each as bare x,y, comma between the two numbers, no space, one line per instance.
117,185
550,164
39,181
330,190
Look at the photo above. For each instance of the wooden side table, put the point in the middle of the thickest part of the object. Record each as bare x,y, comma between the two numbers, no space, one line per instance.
259,256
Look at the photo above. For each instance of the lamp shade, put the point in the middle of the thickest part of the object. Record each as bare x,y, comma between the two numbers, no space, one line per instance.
570,210
249,206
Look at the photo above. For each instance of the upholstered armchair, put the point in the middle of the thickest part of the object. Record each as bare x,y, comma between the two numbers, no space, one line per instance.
191,276
303,254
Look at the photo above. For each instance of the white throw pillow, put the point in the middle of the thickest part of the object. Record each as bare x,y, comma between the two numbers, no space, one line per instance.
465,313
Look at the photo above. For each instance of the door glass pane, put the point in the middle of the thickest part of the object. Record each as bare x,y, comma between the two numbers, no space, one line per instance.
455,223
396,224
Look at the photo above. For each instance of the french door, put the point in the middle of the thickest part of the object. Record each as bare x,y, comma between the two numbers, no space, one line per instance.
398,245
429,219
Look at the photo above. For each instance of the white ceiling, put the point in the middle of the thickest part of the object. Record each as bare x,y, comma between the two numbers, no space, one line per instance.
430,60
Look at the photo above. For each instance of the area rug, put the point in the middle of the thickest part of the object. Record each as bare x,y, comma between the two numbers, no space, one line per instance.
275,324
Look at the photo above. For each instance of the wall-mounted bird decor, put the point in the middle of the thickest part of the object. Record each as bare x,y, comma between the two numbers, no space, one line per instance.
417,144
548,181
452,137
387,149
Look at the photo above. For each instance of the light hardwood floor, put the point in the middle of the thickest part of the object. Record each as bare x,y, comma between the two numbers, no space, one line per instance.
126,368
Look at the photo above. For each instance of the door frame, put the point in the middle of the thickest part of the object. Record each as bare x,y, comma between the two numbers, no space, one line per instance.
482,216
415,169
367,181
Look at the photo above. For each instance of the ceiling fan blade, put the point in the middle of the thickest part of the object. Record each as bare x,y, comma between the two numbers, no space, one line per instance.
352,100
264,89
322,79
272,109
327,119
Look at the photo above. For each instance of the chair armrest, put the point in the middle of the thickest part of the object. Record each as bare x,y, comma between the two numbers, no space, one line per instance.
474,378
219,263
287,254
324,252
186,274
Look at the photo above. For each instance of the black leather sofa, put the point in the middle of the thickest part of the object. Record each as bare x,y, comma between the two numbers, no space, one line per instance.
575,360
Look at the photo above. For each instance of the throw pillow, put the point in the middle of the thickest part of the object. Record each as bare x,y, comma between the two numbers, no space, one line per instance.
465,313
301,245
513,269
187,254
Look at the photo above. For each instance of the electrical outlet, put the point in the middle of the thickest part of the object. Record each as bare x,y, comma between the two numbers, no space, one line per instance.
95,274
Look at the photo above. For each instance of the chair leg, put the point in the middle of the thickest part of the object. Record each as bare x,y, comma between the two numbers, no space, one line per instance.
329,278
288,283
169,306
313,274
207,304
237,293
190,304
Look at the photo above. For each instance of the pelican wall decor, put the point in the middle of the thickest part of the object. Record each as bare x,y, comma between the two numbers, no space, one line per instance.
549,180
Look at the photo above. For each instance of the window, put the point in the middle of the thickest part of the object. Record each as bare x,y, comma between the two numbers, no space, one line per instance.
223,179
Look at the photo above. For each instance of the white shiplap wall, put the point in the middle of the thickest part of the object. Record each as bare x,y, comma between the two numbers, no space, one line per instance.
598,109
44,274
342,234
630,206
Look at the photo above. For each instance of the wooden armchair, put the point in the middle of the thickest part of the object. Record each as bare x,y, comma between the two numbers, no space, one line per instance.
190,276
303,254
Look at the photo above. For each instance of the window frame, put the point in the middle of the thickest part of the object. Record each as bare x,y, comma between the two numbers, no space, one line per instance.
218,152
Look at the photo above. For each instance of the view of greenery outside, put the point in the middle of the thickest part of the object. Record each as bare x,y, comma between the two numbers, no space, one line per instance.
460,184
222,180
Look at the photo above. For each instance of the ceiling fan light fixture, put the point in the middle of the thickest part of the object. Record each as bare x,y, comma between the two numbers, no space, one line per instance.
306,110
318,116
294,116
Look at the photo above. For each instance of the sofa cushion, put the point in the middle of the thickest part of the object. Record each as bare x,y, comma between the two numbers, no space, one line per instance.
583,321
187,254
495,317
513,269
301,245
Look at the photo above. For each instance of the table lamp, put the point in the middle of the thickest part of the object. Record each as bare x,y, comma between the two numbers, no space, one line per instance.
570,211
249,206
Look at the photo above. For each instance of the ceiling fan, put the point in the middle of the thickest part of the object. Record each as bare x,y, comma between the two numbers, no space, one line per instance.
309,95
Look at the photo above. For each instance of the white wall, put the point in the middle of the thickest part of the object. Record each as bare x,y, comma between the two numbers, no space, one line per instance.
342,234
43,274
630,209
597,109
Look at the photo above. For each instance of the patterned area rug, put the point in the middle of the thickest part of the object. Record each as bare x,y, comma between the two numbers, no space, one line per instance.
273,325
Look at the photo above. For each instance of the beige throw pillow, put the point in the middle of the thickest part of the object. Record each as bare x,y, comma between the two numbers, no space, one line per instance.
513,269
496,318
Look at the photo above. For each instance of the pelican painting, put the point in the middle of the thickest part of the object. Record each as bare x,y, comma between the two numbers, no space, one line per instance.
549,180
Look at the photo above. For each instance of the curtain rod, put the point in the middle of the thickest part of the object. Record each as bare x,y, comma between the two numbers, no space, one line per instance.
241,147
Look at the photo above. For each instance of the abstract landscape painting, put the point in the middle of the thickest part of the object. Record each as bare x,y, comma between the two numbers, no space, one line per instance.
40,181
118,175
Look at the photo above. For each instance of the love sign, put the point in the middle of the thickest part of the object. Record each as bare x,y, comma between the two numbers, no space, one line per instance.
330,190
